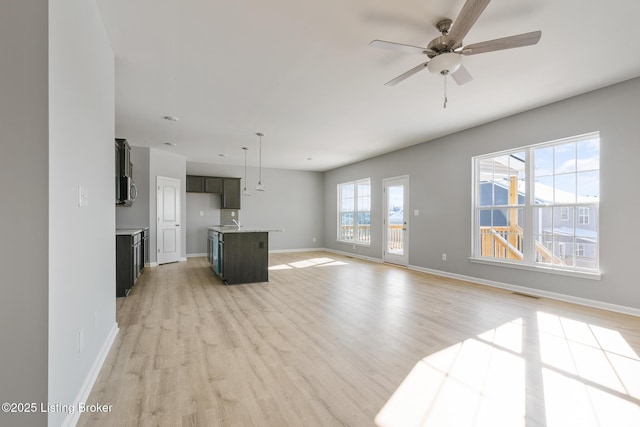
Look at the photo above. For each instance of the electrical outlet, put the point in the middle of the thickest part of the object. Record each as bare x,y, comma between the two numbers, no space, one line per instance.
444,257
201,213
314,240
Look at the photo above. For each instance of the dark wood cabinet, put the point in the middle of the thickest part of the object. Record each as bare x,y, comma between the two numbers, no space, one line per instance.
231,193
125,188
212,185
244,257
130,259
124,167
195,184
228,188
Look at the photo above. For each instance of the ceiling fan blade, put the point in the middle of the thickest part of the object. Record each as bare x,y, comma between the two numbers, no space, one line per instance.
461,76
465,20
526,39
406,75
381,44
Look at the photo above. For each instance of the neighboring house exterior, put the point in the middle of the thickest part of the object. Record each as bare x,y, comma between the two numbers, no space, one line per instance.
570,233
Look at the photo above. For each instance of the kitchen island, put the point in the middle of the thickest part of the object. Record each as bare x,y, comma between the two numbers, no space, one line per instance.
238,254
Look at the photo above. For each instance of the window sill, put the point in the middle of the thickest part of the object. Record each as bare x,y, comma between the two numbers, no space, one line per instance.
543,269
349,242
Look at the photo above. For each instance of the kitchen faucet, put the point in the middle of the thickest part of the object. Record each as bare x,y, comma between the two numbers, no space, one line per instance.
237,223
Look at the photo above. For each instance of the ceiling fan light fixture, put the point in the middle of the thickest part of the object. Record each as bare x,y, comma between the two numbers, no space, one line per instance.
445,63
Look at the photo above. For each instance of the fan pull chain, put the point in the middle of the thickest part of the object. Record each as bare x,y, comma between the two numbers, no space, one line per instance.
445,89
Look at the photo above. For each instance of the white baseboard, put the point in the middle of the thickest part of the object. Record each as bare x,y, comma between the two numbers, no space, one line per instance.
196,255
279,251
535,292
90,380
349,254
151,264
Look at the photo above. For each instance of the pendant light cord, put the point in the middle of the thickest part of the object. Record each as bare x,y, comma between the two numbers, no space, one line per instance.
260,170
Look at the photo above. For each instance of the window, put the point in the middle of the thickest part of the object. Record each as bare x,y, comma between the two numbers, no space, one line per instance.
538,205
354,211
583,216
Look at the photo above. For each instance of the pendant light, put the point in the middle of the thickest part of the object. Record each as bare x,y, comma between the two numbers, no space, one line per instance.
245,192
260,187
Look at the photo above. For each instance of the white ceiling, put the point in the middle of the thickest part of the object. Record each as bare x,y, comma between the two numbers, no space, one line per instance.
302,72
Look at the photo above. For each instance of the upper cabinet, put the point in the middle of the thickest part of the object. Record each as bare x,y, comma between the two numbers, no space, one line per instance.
228,188
231,193
125,188
212,185
123,158
195,184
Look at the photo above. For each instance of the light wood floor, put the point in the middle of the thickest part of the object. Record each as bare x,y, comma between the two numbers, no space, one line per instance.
329,339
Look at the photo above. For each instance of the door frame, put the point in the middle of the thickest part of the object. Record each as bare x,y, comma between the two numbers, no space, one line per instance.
178,183
402,260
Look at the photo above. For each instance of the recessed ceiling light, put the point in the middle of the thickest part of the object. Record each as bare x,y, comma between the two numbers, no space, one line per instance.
171,118
170,144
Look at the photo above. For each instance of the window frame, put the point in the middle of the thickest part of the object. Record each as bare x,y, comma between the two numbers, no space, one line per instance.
529,250
356,211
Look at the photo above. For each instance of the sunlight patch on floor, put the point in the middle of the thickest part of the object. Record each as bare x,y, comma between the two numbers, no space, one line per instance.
311,262
548,370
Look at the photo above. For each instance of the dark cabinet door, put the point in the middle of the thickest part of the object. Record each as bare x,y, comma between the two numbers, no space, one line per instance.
123,158
212,185
125,265
195,184
231,193
245,258
129,262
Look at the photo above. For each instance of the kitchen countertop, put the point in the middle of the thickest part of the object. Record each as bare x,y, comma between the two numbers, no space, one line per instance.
242,229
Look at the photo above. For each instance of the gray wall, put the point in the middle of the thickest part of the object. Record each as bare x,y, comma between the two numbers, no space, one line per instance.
137,215
197,225
81,239
440,174
168,165
57,122
292,202
24,209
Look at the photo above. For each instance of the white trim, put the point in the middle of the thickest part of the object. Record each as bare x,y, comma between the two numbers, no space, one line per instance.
151,264
593,275
535,292
92,376
349,254
184,259
351,242
401,260
280,251
196,255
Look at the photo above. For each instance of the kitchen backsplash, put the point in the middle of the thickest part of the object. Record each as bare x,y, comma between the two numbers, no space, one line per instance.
228,215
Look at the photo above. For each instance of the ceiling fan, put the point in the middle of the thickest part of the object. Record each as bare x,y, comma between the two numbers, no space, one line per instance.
445,52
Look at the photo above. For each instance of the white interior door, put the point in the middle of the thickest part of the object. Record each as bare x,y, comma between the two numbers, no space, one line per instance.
396,220
168,213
